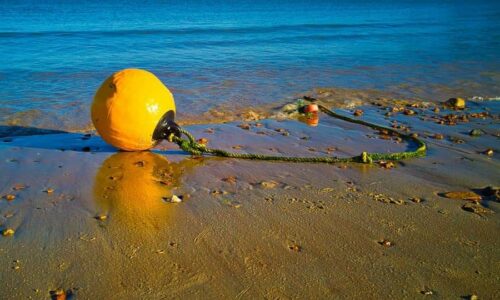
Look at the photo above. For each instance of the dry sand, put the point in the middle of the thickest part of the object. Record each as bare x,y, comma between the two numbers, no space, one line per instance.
98,223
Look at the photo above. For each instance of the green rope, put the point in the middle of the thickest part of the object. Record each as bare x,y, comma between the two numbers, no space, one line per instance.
190,145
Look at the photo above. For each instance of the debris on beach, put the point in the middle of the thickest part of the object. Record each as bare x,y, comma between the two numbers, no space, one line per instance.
173,199
9,197
101,217
244,126
19,186
49,190
271,184
231,203
457,103
488,152
438,136
202,141
409,112
60,294
462,195
230,179
416,199
386,243
476,208
358,112
386,164
8,232
476,132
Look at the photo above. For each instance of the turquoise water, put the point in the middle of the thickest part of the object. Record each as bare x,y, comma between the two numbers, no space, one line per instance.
54,55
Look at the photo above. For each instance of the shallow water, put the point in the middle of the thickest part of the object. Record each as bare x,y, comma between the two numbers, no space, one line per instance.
53,56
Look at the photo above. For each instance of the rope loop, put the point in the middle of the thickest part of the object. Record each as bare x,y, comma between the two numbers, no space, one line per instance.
197,149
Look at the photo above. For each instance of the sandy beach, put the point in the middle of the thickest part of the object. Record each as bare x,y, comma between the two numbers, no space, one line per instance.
89,222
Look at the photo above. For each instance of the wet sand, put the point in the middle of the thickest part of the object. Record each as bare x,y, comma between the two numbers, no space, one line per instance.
97,223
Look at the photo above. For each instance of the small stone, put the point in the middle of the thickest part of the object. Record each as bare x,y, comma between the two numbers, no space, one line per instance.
19,186
175,199
457,140
409,112
358,112
460,195
438,136
386,243
397,202
386,164
8,232
58,294
416,200
426,292
476,208
101,217
269,184
436,110
202,141
414,135
488,152
458,103
473,297
230,179
49,190
476,132
244,126
237,147
9,197
295,248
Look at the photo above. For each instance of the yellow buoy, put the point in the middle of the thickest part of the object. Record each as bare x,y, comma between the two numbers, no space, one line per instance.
131,110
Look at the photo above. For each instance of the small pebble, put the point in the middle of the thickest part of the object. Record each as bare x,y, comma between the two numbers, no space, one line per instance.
244,126
386,164
269,184
386,243
488,152
476,208
9,197
19,186
174,199
8,232
101,217
49,191
295,248
230,179
438,136
358,112
476,132
202,141
416,200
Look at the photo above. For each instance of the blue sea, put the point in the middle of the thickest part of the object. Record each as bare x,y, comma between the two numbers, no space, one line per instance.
55,54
